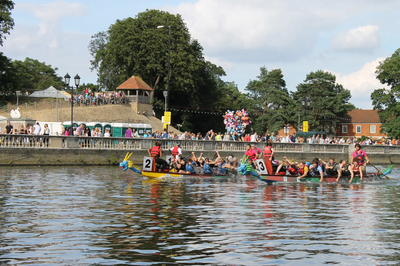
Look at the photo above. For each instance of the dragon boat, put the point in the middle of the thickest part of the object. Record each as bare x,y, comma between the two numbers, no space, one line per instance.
267,174
149,169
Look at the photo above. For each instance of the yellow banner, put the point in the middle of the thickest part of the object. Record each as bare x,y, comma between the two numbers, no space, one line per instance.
167,117
305,126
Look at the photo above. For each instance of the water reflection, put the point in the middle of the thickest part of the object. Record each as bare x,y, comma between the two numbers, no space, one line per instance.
105,216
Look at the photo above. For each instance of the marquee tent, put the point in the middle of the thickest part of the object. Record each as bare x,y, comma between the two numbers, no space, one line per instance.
51,92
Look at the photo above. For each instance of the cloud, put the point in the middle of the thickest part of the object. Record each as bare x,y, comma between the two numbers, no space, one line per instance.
274,30
361,83
47,42
52,13
257,30
364,39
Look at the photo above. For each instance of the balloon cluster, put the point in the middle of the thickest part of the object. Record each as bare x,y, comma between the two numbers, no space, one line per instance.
236,121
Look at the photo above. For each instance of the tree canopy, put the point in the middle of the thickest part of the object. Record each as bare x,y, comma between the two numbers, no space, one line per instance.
36,75
269,95
6,21
135,46
329,100
387,100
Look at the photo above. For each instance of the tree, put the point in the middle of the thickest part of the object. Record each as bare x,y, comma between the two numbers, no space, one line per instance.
386,101
8,77
135,46
329,100
36,75
6,21
270,97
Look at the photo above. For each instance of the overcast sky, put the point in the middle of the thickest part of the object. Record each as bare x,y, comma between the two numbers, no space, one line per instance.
347,38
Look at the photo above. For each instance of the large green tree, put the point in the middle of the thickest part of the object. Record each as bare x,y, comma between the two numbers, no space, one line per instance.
328,100
270,97
387,101
136,46
8,76
36,75
6,21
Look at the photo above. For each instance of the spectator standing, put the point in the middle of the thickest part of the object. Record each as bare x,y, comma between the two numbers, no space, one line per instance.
134,134
37,129
9,128
128,133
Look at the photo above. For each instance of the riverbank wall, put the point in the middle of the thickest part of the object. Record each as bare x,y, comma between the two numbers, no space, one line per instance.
33,150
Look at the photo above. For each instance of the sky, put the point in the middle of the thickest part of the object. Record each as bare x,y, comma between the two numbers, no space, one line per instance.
346,38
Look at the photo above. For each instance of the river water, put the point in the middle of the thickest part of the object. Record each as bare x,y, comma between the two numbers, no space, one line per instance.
104,216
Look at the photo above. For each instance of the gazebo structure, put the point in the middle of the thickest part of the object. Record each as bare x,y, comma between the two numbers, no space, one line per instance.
138,94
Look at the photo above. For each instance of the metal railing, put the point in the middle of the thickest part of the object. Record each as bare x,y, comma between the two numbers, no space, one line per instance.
65,142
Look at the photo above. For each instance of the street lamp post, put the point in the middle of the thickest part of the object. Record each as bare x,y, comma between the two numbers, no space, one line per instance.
66,82
169,64
305,103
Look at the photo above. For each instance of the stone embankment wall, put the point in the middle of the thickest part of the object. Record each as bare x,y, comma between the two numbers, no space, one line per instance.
79,156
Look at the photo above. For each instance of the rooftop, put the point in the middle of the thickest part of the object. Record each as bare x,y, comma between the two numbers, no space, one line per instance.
134,83
361,116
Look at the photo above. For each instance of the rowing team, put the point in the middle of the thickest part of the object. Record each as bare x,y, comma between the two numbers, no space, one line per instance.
317,167
192,164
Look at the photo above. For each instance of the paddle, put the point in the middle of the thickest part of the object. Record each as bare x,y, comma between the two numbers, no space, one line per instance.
379,171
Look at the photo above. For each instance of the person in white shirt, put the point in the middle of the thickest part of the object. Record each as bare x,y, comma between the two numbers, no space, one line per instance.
134,133
36,129
107,133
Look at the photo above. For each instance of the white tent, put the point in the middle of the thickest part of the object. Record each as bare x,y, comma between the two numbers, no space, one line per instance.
3,117
51,92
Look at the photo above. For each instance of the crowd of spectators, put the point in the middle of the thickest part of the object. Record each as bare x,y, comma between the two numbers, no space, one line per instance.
315,139
87,97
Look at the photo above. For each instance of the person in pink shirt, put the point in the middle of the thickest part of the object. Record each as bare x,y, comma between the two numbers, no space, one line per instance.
361,156
250,152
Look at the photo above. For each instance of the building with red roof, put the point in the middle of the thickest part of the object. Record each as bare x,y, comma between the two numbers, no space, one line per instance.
357,123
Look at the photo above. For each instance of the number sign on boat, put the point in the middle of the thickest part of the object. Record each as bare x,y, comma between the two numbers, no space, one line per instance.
147,163
262,168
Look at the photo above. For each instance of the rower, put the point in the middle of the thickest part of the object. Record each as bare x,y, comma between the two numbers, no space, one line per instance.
269,156
176,151
345,170
331,167
303,169
156,153
361,156
316,169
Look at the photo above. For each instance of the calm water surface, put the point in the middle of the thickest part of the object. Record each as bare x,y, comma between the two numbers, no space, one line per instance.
104,216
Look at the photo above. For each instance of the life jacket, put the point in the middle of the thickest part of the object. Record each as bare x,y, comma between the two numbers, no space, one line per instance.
314,171
189,168
175,151
332,171
346,172
251,154
268,151
293,171
303,170
360,157
356,169
206,168
155,151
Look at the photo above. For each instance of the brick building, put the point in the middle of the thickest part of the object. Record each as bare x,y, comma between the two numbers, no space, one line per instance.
359,123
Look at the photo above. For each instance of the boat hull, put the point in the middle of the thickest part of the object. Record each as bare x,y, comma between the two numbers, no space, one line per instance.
314,179
155,174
